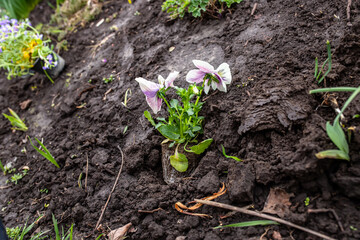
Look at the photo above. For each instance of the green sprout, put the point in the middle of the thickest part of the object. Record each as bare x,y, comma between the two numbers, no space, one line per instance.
127,93
227,156
353,228
46,154
307,201
318,73
108,80
249,224
43,190
335,132
16,121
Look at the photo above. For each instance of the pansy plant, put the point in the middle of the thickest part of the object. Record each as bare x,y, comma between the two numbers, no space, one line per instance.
21,46
184,125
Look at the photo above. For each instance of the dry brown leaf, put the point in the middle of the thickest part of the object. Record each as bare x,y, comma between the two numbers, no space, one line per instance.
276,235
181,207
25,104
119,233
278,202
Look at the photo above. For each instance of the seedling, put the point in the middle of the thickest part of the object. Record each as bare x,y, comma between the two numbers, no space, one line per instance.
108,80
43,190
307,201
335,132
18,176
249,224
319,75
227,156
46,154
127,94
184,124
16,121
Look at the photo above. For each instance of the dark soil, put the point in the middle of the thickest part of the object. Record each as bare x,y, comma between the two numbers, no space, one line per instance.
267,118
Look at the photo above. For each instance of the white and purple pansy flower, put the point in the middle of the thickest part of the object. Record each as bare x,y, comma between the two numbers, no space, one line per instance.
151,89
216,78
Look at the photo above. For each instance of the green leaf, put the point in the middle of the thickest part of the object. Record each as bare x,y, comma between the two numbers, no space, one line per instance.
201,147
232,157
333,154
249,224
337,136
170,132
190,112
174,103
148,116
179,162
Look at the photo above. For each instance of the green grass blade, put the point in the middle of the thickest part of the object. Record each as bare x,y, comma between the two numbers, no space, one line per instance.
249,224
329,61
45,154
2,167
227,156
56,228
316,67
334,89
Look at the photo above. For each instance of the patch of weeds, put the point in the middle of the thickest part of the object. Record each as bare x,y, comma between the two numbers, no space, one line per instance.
19,233
109,79
16,121
178,8
46,154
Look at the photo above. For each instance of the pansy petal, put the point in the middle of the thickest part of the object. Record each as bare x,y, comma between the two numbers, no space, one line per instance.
195,76
148,88
204,66
170,79
221,86
224,71
161,81
154,103
206,88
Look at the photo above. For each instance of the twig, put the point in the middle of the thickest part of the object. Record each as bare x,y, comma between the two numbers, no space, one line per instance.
322,210
86,171
151,211
348,10
112,190
4,187
253,10
262,215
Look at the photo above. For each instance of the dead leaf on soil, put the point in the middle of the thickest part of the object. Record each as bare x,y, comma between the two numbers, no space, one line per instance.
181,207
276,235
119,233
277,202
25,104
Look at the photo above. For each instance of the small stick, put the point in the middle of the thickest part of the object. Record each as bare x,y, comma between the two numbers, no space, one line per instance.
112,190
151,211
4,187
86,171
253,10
262,215
328,210
348,10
